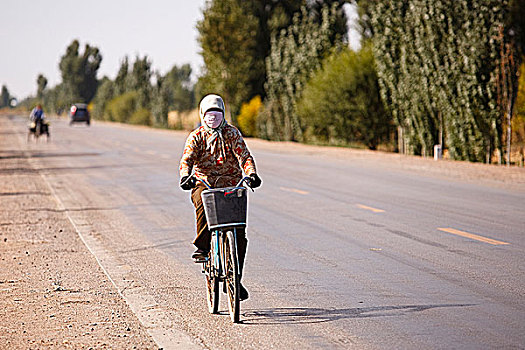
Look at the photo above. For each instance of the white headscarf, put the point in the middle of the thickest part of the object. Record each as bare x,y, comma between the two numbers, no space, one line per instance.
214,142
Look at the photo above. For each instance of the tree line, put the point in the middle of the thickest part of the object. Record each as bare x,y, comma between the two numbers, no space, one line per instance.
137,95
441,69
428,72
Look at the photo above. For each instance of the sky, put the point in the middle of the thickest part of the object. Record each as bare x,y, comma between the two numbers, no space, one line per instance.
34,34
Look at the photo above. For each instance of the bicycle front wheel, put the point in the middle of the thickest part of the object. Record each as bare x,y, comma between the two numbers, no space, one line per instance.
212,288
232,276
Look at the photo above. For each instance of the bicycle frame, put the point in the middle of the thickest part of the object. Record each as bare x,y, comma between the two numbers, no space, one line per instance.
222,263
217,233
217,253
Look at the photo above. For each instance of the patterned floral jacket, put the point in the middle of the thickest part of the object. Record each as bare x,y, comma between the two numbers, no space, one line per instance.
216,170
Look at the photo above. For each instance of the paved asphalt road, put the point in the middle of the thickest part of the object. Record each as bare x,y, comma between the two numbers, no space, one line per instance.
342,252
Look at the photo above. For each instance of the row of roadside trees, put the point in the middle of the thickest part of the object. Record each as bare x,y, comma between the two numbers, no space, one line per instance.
137,95
133,98
448,72
428,72
294,85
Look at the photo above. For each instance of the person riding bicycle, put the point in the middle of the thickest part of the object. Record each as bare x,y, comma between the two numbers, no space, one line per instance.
37,117
217,153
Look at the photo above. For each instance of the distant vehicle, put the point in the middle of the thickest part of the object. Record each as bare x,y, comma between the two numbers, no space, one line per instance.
79,113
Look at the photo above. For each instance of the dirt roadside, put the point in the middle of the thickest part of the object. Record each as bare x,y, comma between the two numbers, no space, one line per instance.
53,293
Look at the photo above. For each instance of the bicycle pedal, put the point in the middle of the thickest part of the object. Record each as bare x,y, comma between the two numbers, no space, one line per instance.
200,260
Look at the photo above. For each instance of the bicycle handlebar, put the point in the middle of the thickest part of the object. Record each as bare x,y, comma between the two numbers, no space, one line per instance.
245,180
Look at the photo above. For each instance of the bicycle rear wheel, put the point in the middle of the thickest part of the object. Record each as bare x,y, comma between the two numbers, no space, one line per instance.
212,287
232,276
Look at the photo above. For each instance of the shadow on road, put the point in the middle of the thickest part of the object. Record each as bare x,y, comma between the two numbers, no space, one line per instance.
26,193
13,132
156,246
12,154
73,209
77,154
319,315
64,170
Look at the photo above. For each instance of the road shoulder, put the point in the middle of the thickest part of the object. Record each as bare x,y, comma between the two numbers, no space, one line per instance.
53,291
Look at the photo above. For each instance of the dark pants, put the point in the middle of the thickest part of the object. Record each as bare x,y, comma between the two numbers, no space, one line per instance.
203,239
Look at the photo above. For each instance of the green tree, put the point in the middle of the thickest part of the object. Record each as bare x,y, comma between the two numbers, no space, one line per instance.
122,77
58,99
79,71
518,122
437,76
227,37
139,80
235,38
161,105
174,91
41,82
338,27
511,42
5,97
341,103
127,99
364,11
105,93
182,97
296,53
515,25
272,17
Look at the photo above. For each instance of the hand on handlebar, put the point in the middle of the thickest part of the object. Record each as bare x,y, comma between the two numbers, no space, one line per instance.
254,181
187,182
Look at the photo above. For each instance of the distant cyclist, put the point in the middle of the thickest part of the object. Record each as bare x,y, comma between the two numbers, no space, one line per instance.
37,114
37,118
216,152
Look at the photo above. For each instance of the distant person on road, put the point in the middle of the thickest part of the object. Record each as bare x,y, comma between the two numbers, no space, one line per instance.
37,114
216,152
37,118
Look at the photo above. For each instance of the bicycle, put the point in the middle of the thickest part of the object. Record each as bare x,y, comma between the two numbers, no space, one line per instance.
38,128
225,210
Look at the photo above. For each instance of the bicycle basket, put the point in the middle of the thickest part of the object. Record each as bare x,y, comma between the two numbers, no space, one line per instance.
225,206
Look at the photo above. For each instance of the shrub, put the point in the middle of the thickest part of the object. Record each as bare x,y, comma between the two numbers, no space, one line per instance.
141,116
121,108
247,118
341,102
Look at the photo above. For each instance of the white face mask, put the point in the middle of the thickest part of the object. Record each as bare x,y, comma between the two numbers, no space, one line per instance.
213,119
